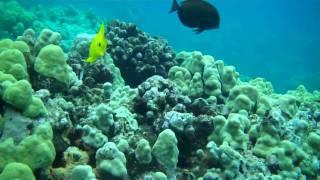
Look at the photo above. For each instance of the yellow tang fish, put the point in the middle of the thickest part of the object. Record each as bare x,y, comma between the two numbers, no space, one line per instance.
98,46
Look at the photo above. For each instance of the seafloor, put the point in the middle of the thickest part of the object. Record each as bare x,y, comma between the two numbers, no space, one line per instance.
143,111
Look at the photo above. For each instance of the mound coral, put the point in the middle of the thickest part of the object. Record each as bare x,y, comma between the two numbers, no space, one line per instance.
201,76
36,151
51,63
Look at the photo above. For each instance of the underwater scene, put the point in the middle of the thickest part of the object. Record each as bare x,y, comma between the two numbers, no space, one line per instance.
159,90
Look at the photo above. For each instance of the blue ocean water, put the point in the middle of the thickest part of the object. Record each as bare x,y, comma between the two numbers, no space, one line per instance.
277,40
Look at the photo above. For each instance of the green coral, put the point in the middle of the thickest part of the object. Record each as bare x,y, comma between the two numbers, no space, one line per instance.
19,95
35,108
111,161
312,144
188,84
143,152
51,62
285,151
264,87
36,151
165,149
19,45
200,75
45,38
212,85
291,157
117,81
231,130
14,19
17,171
12,62
6,77
82,172
228,76
159,176
288,105
101,116
243,97
305,98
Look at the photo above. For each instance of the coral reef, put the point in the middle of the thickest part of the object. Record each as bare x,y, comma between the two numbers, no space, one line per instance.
14,19
202,76
138,54
183,116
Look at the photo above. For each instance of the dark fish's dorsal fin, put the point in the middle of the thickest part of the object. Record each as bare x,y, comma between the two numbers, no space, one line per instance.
174,6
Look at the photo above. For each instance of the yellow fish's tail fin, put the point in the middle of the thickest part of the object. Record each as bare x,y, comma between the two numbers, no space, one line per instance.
90,60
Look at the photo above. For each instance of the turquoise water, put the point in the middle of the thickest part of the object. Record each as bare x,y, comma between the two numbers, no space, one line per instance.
277,40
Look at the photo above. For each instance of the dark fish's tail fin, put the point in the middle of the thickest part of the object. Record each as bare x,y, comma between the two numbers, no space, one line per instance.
198,30
174,6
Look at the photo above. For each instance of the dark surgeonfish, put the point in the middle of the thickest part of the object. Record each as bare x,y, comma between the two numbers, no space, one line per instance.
198,14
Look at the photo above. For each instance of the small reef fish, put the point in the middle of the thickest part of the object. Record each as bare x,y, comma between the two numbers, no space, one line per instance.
198,14
98,46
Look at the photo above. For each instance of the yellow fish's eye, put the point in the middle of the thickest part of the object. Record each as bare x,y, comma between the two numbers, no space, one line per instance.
99,44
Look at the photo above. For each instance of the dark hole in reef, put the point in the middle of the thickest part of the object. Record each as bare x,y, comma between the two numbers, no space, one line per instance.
296,163
203,129
253,141
40,174
92,160
58,161
108,176
140,106
75,139
135,169
185,147
1,106
274,168
30,127
241,167
74,136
